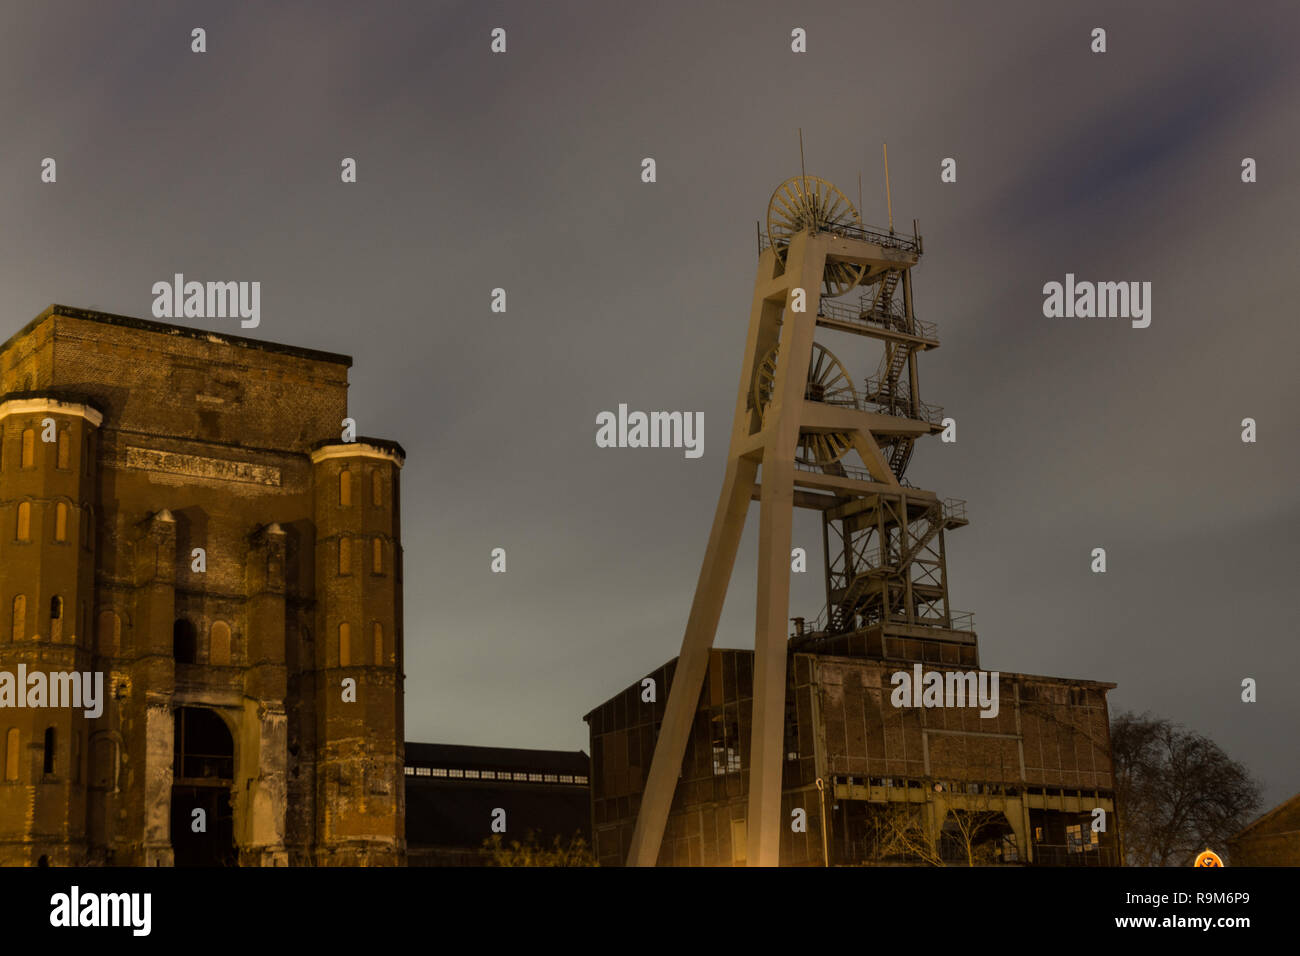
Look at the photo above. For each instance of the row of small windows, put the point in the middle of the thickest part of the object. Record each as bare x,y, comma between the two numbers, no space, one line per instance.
23,524
184,636
376,556
18,619
62,453
109,630
514,775
351,654
13,754
376,488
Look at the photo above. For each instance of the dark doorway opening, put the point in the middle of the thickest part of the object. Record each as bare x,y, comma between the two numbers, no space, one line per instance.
203,774
184,642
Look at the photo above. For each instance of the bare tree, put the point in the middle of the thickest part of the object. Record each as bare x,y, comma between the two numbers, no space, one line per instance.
901,832
968,833
971,831
1176,791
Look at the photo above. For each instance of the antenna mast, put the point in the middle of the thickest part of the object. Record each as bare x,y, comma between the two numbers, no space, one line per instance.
889,200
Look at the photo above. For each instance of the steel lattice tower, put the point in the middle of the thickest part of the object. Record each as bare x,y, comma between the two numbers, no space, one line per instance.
798,415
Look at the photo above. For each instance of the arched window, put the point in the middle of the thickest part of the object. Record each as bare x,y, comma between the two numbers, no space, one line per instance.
345,488
11,754
48,764
24,530
29,448
61,522
378,630
105,761
20,617
219,644
345,556
345,645
85,456
377,488
108,637
377,556
64,453
56,618
184,642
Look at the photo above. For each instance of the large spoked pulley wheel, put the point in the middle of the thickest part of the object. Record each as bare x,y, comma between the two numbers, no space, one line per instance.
829,382
806,202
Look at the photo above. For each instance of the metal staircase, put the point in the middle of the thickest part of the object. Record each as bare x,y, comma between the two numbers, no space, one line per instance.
900,455
880,306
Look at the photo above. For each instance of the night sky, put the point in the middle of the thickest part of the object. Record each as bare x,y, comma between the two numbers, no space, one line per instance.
522,171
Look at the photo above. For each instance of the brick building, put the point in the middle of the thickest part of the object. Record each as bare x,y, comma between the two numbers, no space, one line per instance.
900,785
179,514
1271,840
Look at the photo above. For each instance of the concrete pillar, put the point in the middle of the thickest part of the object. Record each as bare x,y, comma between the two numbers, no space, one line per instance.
160,732
261,787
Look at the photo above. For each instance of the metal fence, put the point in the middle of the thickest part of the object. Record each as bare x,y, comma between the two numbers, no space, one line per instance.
879,235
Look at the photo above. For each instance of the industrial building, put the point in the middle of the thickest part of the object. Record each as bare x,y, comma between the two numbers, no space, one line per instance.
183,517
864,736
1271,840
900,785
455,793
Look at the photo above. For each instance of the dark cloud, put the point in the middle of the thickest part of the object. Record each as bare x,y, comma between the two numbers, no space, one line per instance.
522,171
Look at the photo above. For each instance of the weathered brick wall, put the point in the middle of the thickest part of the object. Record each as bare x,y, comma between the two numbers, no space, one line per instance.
712,790
1274,841
206,442
838,709
214,391
1063,726
46,568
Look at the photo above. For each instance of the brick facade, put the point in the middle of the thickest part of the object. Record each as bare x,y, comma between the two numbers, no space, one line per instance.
1272,840
1035,772
167,440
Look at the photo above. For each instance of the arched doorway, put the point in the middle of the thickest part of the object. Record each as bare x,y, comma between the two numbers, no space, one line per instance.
203,773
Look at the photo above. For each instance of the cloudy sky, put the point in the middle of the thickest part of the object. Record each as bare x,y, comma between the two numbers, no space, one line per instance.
522,171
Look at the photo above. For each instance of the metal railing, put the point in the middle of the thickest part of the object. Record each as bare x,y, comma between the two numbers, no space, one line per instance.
899,405
845,471
817,625
893,321
869,301
848,471
877,234
954,509
829,309
962,620
830,619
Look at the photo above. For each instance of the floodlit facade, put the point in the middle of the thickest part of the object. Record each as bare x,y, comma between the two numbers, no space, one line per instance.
828,745
179,516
